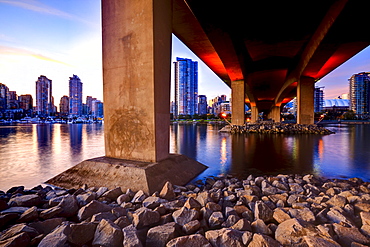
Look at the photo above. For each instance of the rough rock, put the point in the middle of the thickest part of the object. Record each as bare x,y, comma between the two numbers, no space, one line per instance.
167,191
185,215
191,240
291,232
92,208
347,235
107,234
159,236
262,211
261,240
29,215
69,205
145,217
19,240
225,237
130,237
56,238
25,201
81,233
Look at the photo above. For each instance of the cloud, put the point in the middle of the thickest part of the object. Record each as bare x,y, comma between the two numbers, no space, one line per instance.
44,9
23,52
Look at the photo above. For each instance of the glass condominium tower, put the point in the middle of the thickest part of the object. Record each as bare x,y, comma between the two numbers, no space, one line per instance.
186,87
44,98
359,93
75,96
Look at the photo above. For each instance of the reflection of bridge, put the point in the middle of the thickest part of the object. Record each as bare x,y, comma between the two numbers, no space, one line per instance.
266,51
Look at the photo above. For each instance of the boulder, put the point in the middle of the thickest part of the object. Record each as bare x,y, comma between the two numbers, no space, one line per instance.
262,211
123,198
337,200
347,235
145,217
92,208
17,229
291,233
185,215
25,201
225,237
191,203
101,191
215,220
20,240
261,240
139,197
258,226
104,215
280,215
51,212
29,215
69,205
242,225
304,214
152,202
191,240
167,191
130,237
85,198
159,236
56,238
46,226
191,227
81,233
113,194
7,218
320,241
107,234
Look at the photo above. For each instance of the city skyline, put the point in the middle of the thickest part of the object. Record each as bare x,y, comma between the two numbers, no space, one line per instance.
57,39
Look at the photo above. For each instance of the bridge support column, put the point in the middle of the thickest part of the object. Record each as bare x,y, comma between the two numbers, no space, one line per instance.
254,114
238,102
275,113
305,102
136,82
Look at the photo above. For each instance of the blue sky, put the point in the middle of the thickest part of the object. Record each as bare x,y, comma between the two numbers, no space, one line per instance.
59,38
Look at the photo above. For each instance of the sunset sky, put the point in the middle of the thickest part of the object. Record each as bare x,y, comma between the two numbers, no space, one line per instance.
59,38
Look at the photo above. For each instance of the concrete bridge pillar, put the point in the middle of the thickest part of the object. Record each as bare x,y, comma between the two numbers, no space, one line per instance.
275,113
305,102
238,102
136,82
254,114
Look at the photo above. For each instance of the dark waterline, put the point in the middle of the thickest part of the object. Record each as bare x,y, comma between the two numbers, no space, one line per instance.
30,154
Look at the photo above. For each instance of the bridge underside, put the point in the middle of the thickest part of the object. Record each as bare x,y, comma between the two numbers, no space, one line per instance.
272,46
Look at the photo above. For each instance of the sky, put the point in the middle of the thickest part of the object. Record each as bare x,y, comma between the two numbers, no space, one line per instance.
60,38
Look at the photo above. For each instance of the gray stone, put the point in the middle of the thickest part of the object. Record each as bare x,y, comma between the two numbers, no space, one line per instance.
104,215
101,191
18,210
338,201
46,226
81,233
337,217
262,211
191,240
159,236
320,241
145,217
17,229
291,233
51,212
304,214
119,211
139,197
347,235
185,215
242,225
55,201
122,222
69,204
107,234
167,191
225,237
191,227
191,203
57,238
25,201
130,237
29,215
20,240
123,198
113,194
7,218
230,221
215,220
280,215
92,208
203,198
261,240
152,202
296,188
258,226
86,198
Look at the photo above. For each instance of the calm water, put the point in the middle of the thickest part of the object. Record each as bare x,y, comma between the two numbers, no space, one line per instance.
31,154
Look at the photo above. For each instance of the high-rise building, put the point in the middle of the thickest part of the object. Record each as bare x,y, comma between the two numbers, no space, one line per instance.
359,93
44,100
202,105
186,87
4,97
64,105
26,102
97,108
75,95
318,99
89,100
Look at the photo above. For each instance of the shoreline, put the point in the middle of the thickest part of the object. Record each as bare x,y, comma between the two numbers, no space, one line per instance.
282,210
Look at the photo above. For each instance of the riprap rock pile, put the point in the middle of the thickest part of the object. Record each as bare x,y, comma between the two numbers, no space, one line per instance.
283,210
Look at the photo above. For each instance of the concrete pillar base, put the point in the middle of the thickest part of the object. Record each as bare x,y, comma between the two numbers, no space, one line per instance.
128,174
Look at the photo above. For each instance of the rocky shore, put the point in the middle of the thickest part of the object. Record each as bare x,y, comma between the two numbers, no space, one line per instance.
277,128
283,210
